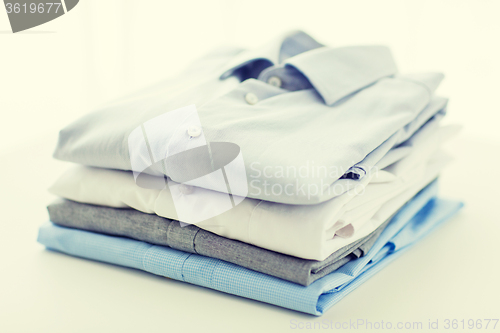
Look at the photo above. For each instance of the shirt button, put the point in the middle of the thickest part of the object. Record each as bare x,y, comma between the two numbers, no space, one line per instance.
274,81
251,98
186,189
194,131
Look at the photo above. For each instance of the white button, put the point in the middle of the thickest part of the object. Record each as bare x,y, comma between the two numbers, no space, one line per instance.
194,131
186,189
251,98
274,81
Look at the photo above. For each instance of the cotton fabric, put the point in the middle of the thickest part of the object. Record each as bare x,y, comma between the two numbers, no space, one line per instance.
415,220
157,230
350,109
307,231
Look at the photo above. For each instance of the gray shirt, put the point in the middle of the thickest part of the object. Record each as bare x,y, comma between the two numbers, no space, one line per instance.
161,231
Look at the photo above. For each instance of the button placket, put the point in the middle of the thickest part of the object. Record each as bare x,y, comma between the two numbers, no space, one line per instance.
251,98
275,81
194,131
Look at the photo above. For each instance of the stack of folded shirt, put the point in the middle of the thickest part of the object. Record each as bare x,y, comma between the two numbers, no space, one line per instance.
288,174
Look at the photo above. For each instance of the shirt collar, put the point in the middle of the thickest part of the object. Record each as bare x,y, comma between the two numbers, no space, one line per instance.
274,52
334,72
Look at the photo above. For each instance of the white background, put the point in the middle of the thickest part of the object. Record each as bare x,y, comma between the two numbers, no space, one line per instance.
54,73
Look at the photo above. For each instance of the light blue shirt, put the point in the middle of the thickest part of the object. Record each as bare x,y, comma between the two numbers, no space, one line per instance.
417,218
289,105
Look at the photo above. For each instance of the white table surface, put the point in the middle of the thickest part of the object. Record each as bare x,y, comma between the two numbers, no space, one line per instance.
452,274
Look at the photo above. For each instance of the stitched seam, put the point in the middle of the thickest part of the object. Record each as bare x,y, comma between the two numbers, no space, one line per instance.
144,258
213,271
182,267
194,239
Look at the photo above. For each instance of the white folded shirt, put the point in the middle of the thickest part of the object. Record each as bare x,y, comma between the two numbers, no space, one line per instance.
305,231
